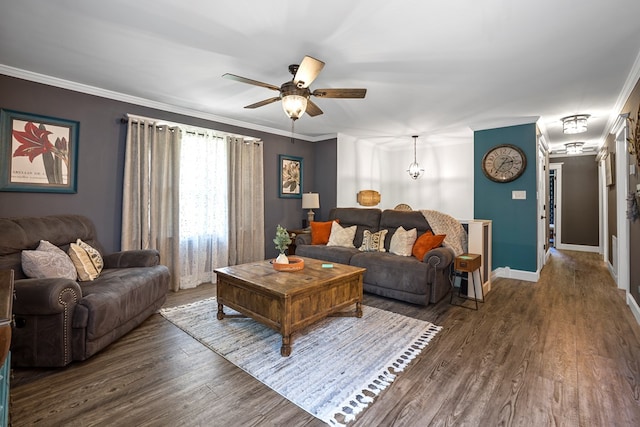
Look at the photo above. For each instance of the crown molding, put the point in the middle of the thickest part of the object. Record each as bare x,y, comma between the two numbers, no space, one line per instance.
503,122
122,97
627,88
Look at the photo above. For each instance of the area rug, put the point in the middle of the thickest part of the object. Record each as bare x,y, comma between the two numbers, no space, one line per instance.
337,366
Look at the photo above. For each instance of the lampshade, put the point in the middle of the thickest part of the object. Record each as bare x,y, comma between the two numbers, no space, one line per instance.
310,201
574,147
575,124
294,106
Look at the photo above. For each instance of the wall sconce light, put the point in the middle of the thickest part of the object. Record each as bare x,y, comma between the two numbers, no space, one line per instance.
310,201
575,124
574,147
414,168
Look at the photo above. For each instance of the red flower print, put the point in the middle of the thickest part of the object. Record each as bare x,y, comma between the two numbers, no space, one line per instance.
33,141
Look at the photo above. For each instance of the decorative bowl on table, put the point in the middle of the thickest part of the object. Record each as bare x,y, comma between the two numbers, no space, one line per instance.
295,264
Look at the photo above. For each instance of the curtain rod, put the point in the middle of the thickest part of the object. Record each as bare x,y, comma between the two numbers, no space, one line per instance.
171,128
189,129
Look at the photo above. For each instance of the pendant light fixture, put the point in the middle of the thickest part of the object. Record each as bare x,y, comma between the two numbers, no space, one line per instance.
414,168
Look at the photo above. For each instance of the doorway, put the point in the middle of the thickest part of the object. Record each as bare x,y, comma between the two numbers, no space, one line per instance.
552,207
555,203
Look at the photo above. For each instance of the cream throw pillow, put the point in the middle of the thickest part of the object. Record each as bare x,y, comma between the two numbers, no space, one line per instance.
342,236
402,241
373,242
86,259
47,261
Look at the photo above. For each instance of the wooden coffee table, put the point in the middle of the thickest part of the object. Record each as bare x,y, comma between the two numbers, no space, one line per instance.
289,301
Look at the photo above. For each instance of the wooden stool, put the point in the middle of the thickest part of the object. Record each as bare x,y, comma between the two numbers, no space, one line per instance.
468,263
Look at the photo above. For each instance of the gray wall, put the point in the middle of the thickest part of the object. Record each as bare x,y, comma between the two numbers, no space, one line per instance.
101,161
580,213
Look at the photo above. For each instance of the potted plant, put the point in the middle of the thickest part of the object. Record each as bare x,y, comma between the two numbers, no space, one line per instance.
282,241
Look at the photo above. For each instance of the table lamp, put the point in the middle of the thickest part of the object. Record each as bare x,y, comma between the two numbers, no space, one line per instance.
310,201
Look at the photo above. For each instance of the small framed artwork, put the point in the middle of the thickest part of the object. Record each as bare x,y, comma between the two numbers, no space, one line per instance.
609,168
290,177
38,153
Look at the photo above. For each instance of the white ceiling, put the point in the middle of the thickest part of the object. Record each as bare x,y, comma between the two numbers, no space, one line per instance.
436,69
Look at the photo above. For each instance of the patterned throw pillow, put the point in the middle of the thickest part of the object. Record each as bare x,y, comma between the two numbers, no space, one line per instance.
373,242
47,246
86,259
402,241
342,236
93,253
47,261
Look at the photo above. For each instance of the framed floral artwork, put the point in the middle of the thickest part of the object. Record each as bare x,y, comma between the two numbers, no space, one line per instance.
290,178
38,153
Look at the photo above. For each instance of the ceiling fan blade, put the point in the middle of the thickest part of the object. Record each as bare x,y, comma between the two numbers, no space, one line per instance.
307,71
265,102
340,93
249,81
312,109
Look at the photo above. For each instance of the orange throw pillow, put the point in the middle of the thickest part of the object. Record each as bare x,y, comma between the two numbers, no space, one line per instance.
425,243
320,232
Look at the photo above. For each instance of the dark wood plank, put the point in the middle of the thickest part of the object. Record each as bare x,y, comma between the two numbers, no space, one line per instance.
562,351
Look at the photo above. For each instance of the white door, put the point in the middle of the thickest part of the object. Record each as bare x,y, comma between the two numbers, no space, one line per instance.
543,179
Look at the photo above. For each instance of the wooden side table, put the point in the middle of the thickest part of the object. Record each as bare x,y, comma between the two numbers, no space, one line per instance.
292,236
470,264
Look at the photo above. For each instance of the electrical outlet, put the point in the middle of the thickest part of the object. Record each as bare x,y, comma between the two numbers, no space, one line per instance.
637,190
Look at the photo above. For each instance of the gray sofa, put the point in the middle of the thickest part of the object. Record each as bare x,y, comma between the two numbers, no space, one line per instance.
59,320
404,278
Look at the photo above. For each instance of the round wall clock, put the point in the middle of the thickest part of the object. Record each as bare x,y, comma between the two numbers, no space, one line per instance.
504,163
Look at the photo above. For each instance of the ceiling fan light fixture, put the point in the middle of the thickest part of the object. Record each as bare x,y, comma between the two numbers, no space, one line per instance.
414,168
575,124
294,106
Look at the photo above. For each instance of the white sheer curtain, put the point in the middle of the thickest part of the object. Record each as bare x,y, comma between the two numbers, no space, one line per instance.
151,192
197,197
204,225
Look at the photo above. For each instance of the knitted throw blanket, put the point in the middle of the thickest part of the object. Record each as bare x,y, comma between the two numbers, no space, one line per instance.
442,223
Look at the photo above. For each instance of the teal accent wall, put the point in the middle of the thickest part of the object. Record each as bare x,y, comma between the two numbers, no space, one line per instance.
514,221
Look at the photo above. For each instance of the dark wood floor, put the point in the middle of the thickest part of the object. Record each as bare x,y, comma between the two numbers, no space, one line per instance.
564,351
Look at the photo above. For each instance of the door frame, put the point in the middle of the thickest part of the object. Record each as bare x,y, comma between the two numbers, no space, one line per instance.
622,189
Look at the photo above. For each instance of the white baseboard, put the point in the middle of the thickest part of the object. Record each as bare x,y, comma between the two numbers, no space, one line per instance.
507,272
613,272
579,248
633,305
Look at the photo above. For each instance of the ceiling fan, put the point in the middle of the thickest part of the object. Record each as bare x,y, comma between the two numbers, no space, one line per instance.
295,93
